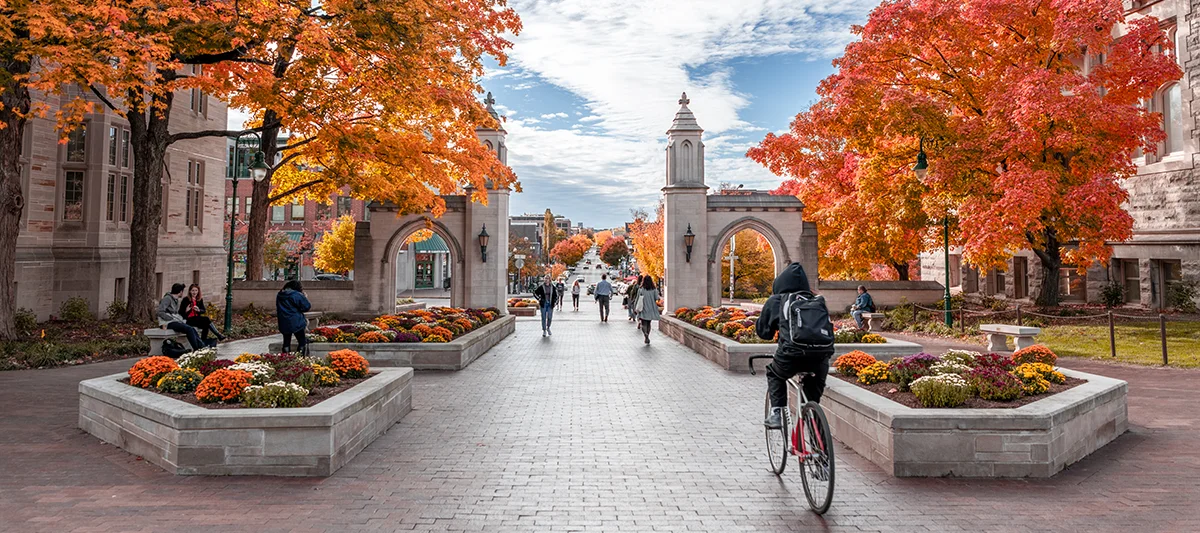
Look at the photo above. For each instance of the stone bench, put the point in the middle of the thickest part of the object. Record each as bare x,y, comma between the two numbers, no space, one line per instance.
874,321
998,336
314,319
158,335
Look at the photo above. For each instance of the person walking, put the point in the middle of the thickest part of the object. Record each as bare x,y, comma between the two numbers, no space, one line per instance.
548,296
193,310
562,289
631,293
646,305
603,295
169,317
575,294
290,306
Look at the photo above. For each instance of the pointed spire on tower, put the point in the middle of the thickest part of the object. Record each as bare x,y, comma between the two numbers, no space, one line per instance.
684,119
490,101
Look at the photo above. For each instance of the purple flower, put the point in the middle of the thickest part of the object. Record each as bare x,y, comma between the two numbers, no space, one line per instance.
405,336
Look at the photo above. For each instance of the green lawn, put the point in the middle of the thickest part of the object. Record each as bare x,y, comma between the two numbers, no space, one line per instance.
1137,343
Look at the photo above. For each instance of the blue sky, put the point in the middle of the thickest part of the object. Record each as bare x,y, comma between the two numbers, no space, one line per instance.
591,87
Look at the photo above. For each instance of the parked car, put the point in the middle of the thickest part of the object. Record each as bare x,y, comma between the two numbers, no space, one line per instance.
331,277
592,289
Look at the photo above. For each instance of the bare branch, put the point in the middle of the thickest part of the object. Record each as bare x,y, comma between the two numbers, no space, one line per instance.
102,98
217,133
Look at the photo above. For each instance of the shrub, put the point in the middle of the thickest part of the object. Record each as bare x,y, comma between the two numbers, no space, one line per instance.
344,336
1028,371
324,376
25,320
905,370
423,330
274,394
850,363
996,384
362,327
313,337
873,338
1034,386
372,337
730,329
962,357
873,373
247,357
348,364
117,309
995,360
1181,295
223,385
193,360
848,336
406,336
946,390
291,368
947,367
259,372
1035,354
434,338
1112,294
212,366
180,381
146,372
76,309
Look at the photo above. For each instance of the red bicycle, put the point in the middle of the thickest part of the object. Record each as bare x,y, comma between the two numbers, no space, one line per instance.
810,441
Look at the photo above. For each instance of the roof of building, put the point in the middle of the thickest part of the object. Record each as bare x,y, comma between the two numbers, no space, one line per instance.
431,245
755,199
684,119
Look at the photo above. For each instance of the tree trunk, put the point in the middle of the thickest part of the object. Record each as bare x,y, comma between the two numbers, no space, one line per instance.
1050,255
150,137
14,96
901,270
256,232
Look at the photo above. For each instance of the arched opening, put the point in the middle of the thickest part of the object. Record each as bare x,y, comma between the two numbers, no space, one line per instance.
773,244
748,266
425,264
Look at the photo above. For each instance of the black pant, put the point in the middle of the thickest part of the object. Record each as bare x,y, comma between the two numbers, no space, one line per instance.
787,365
204,325
603,301
575,300
645,327
192,337
301,342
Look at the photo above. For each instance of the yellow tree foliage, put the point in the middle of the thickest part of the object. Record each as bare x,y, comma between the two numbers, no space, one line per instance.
557,270
647,238
754,268
420,235
602,237
335,251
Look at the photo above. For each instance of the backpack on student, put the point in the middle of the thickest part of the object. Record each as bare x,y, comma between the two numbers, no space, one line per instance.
804,324
173,349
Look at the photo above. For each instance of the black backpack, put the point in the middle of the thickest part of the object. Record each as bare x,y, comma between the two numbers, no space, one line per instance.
171,348
804,324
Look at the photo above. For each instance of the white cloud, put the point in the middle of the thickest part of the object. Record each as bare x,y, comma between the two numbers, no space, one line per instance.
548,116
591,118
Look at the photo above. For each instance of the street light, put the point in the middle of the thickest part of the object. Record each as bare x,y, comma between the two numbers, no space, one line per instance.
258,171
483,242
689,239
921,169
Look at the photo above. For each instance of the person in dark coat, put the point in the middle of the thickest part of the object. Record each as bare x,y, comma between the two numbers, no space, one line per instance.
193,310
548,297
786,363
290,306
863,304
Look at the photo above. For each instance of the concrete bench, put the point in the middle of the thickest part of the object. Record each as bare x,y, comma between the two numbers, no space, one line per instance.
874,321
998,336
314,319
158,335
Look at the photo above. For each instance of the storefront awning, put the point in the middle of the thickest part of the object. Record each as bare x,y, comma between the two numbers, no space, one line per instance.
434,244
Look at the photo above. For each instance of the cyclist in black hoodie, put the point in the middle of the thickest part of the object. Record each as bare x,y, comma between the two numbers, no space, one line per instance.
787,363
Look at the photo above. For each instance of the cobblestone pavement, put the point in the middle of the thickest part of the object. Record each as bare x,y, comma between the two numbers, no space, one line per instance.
587,430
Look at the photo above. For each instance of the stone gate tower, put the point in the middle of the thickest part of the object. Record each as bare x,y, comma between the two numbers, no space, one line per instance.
685,206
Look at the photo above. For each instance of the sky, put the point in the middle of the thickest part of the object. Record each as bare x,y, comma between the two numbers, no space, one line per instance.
591,87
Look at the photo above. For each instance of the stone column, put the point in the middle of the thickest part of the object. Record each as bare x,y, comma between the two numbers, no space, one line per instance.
687,281
486,283
367,278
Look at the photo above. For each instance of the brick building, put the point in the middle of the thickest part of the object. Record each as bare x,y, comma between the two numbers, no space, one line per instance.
74,238
1164,198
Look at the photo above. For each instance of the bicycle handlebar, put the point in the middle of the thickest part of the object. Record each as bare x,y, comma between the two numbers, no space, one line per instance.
751,363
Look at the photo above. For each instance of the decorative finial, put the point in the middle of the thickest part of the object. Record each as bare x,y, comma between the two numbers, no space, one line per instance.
683,100
489,100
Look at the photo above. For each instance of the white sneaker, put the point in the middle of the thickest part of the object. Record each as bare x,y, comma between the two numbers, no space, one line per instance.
550,333
543,333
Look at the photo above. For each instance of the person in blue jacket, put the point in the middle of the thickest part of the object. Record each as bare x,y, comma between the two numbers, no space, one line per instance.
290,306
863,304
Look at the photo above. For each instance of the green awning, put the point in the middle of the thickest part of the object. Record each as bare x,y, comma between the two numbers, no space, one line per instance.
433,244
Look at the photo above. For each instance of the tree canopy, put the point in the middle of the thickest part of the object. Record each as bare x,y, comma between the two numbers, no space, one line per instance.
614,250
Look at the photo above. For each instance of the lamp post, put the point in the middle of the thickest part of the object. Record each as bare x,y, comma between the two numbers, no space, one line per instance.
921,169
483,242
689,239
258,171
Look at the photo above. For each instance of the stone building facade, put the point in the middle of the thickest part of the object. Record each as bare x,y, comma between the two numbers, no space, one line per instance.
74,238
1164,197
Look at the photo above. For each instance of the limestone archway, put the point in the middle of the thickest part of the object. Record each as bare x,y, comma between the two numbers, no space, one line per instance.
396,243
712,218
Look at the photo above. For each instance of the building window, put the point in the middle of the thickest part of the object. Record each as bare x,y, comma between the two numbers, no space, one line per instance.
1173,118
246,212
1132,280
110,210
124,198
124,148
277,214
77,144
195,277
119,290
228,206
73,196
195,194
1071,285
113,140
345,205
198,101
298,211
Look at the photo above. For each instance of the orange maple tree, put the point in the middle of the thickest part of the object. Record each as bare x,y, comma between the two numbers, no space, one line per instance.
572,250
647,239
601,237
1025,148
614,250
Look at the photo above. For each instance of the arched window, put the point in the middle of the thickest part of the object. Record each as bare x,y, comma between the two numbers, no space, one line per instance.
488,144
685,163
1172,110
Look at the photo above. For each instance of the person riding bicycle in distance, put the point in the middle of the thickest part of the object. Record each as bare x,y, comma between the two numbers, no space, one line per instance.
805,339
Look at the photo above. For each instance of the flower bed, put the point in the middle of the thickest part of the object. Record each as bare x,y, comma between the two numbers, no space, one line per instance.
738,324
438,338
522,306
960,378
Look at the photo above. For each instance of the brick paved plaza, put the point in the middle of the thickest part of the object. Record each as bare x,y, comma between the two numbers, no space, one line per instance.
588,430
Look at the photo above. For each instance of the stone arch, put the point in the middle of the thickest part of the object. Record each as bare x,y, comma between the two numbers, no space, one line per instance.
778,244
396,241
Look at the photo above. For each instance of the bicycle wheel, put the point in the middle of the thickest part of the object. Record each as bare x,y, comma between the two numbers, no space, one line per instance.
777,448
816,468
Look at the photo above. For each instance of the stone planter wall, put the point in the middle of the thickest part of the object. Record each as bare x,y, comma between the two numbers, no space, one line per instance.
522,311
400,308
732,355
1034,440
453,355
187,439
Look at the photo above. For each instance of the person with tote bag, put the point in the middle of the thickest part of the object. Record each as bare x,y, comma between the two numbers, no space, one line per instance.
646,306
